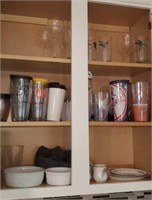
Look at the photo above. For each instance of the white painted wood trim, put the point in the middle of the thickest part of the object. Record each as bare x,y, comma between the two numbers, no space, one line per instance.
80,138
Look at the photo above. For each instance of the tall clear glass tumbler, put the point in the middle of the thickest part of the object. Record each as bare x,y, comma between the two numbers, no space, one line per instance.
21,92
141,100
100,106
39,101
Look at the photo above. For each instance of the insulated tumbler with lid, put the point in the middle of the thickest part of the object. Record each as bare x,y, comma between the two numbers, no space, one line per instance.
119,95
21,92
55,101
39,99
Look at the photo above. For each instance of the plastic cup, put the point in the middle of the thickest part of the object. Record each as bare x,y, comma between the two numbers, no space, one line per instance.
140,96
21,91
100,106
39,99
66,111
119,95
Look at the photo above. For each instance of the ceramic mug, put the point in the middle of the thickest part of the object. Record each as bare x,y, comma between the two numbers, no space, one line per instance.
100,174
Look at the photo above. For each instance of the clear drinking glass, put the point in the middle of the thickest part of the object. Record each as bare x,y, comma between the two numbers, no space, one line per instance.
11,156
91,48
140,49
105,49
141,100
100,106
126,45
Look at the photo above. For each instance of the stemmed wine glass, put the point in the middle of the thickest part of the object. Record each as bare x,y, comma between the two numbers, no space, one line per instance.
44,39
56,30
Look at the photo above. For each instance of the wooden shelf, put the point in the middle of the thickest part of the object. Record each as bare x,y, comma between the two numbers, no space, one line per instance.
35,64
35,124
119,124
118,68
63,66
46,21
67,123
45,190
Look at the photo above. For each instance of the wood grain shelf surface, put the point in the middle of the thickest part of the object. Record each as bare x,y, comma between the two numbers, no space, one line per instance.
34,64
118,68
35,124
59,65
68,123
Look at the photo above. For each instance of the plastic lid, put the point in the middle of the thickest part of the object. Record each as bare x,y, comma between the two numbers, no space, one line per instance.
119,81
90,75
53,84
41,80
4,96
20,76
56,85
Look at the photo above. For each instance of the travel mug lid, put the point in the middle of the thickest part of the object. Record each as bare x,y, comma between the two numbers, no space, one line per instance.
12,76
56,85
119,81
4,96
41,80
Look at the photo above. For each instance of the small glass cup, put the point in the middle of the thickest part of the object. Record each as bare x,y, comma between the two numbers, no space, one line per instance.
91,48
105,49
140,49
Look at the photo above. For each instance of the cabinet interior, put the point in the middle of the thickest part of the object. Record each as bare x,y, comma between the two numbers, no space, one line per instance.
119,146
112,145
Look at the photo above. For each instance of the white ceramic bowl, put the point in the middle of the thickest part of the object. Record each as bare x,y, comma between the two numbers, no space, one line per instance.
58,176
24,176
